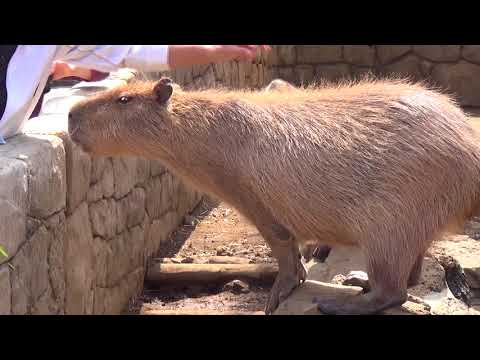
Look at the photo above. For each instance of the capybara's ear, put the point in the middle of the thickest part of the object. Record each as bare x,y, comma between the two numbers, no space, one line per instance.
163,90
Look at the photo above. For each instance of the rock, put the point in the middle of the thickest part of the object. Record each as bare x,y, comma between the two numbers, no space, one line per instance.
78,167
234,74
361,72
79,262
190,220
56,267
95,193
102,254
459,78
44,157
5,292
227,71
13,228
157,233
304,73
127,253
134,207
286,54
408,66
115,299
45,305
317,54
389,53
222,250
104,217
465,252
254,76
363,55
301,301
218,71
332,72
143,171
125,174
241,74
438,52
471,53
21,281
156,168
40,243
286,74
14,175
237,287
156,194
98,166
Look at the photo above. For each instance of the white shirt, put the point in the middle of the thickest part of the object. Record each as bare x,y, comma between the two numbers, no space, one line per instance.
30,67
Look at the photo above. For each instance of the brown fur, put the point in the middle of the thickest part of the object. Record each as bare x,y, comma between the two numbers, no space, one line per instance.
386,165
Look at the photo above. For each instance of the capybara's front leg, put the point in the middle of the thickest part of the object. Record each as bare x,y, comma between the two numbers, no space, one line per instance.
291,271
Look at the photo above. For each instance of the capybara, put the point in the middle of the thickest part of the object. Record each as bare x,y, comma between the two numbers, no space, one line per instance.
386,165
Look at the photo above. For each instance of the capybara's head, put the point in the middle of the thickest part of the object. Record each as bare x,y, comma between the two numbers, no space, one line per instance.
113,122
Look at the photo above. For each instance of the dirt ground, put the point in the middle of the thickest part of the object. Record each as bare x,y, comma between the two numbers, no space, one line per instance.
212,229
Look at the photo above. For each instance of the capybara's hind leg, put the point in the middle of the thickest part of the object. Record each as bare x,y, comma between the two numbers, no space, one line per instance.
291,271
388,274
416,272
360,278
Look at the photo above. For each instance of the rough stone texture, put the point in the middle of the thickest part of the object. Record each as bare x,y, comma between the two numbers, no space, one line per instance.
55,199
389,53
304,73
471,53
438,52
79,261
461,79
44,157
13,228
78,175
408,66
363,55
286,54
5,292
103,217
332,72
124,170
453,67
316,54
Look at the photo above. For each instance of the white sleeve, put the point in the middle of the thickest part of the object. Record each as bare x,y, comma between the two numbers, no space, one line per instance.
108,58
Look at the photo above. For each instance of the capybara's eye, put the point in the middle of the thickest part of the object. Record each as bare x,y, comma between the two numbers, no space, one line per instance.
124,99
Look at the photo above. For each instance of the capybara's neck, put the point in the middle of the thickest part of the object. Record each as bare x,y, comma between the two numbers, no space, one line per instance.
204,133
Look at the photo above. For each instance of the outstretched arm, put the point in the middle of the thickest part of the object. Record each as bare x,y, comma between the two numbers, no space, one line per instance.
153,58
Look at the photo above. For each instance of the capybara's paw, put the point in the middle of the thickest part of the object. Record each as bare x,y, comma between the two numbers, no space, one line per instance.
281,289
357,278
364,304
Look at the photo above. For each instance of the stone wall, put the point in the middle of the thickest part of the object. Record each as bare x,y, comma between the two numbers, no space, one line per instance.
234,74
455,68
79,231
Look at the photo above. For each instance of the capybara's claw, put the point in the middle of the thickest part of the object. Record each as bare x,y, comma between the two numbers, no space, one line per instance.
281,289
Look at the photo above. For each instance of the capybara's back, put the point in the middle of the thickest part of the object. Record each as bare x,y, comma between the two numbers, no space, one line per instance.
342,162
385,165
